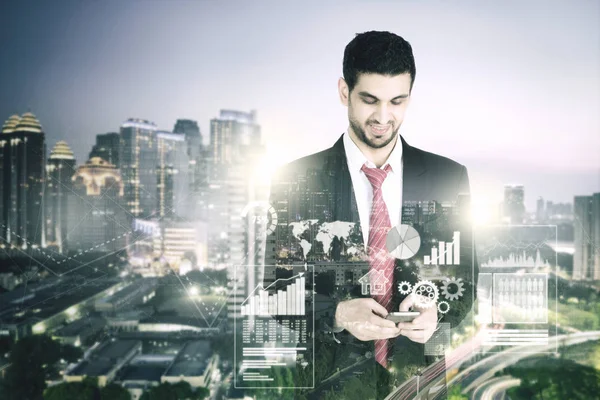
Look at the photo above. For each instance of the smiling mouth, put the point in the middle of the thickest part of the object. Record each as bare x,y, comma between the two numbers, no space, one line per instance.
379,130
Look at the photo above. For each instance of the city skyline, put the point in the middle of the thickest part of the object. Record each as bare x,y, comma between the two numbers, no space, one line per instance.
145,253
99,70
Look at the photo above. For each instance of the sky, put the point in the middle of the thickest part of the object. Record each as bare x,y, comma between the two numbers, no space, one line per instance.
509,88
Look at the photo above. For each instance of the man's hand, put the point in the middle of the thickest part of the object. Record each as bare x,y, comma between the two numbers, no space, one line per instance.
365,319
422,327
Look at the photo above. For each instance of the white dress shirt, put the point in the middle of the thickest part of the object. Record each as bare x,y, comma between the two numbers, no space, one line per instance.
392,186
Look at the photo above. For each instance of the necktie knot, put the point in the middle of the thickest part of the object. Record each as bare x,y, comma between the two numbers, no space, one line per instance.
376,176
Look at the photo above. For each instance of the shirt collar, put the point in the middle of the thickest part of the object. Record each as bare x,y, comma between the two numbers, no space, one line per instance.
356,158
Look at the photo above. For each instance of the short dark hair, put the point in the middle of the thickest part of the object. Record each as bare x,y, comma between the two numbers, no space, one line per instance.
377,52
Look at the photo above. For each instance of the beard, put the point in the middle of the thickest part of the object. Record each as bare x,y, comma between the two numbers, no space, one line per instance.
362,136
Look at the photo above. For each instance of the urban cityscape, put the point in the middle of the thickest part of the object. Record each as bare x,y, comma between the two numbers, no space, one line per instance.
127,262
154,245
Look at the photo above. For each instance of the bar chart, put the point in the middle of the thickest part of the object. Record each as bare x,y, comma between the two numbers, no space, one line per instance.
287,301
445,253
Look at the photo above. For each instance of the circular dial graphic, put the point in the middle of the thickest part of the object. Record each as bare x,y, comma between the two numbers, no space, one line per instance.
403,241
263,213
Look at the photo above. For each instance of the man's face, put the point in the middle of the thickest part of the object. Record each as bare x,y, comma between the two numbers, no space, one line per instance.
376,107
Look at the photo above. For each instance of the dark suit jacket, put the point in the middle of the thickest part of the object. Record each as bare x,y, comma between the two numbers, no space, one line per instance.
435,196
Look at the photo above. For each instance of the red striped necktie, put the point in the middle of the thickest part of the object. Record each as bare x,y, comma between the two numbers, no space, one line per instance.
381,263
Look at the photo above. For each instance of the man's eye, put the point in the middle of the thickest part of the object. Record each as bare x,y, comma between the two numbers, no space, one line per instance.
369,101
396,103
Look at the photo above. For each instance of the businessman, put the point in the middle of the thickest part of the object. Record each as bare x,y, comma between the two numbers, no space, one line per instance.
373,178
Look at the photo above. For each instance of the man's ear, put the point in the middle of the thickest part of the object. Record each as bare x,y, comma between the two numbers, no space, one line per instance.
343,91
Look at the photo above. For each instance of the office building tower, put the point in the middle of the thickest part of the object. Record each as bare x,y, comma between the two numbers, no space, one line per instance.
514,204
586,259
234,154
138,155
189,128
172,175
107,148
540,213
228,132
97,216
179,244
234,151
59,171
198,156
22,180
559,211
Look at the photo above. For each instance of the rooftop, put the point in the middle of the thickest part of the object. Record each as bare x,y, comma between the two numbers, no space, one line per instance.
141,286
103,359
192,360
48,298
197,322
80,326
143,372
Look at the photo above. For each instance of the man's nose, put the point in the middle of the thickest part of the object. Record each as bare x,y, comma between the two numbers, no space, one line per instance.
383,115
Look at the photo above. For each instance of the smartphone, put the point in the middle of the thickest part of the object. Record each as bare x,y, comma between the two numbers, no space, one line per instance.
405,316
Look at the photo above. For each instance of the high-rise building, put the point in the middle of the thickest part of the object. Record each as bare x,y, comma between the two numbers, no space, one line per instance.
138,155
559,211
235,153
234,149
189,128
179,244
586,259
172,174
59,171
97,216
198,168
540,214
229,131
514,203
22,175
107,148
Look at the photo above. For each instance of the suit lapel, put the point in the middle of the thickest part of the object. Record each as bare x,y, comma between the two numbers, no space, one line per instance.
338,175
414,180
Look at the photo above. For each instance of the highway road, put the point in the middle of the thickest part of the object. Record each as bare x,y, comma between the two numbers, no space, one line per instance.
495,389
479,373
485,369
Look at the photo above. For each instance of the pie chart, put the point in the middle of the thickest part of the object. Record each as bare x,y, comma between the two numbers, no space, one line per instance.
403,241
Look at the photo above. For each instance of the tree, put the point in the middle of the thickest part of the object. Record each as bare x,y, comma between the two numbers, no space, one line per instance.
113,391
455,393
202,393
6,343
178,391
84,390
32,360
552,378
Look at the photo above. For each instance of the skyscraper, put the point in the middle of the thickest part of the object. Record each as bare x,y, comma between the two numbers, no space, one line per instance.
234,149
189,128
198,167
172,174
107,148
59,170
228,132
586,260
22,174
235,152
97,217
514,203
138,155
540,213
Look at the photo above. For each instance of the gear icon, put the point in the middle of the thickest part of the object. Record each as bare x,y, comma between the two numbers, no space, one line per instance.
445,309
456,293
404,287
426,294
